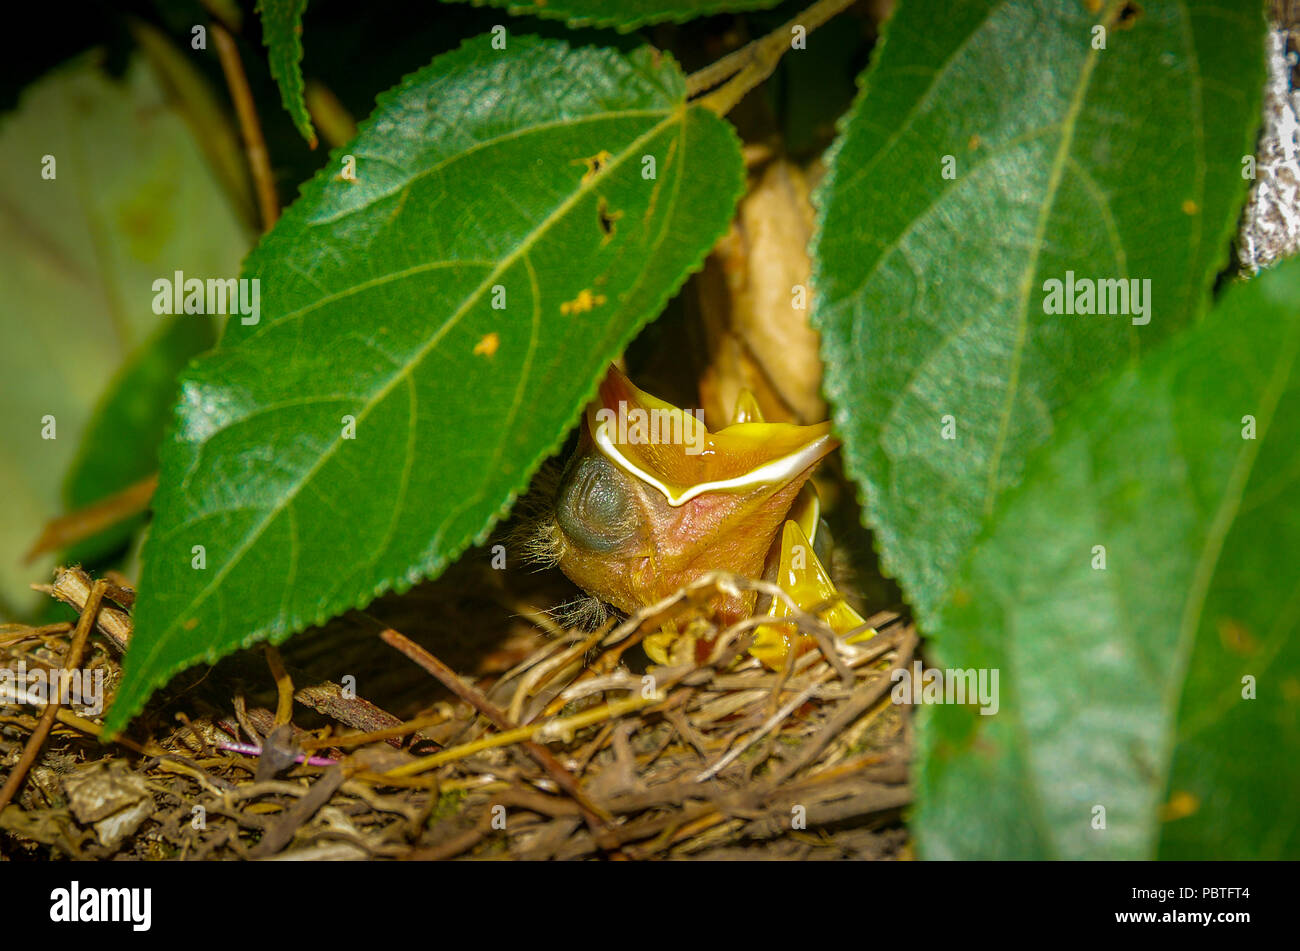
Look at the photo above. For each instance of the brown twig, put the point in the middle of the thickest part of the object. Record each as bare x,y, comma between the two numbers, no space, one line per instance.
346,740
280,833
283,686
51,712
254,144
88,521
750,65
596,818
455,845
862,701
72,586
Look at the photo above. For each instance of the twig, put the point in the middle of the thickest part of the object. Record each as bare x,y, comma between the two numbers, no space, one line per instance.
51,712
88,521
254,144
775,720
90,728
753,63
709,76
72,587
461,842
283,686
858,704
596,818
550,728
374,736
543,673
11,634
281,833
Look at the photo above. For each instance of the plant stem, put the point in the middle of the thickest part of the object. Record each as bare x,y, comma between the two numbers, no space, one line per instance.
254,144
597,819
89,520
46,722
751,64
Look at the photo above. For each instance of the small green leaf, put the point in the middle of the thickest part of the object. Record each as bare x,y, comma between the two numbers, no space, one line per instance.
1149,560
516,216
131,200
1062,158
282,34
622,15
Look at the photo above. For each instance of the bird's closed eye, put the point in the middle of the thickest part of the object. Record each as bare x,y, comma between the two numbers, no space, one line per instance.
594,505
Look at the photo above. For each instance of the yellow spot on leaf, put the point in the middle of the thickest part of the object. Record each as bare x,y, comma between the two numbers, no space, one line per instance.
1190,207
1235,637
594,165
974,143
147,219
1291,690
487,346
1180,805
584,302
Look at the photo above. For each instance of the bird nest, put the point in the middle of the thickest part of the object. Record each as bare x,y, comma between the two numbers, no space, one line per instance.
529,740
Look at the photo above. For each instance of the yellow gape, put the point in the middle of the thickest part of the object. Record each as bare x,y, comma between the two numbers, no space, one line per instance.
800,574
652,500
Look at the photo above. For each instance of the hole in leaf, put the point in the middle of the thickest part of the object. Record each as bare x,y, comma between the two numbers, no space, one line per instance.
606,218
595,165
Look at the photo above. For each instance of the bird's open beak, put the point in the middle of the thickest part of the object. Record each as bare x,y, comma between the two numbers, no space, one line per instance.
805,579
652,499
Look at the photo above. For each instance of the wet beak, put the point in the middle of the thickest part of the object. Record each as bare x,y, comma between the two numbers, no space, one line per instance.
651,499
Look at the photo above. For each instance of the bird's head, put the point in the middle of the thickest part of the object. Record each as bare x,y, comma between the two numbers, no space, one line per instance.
651,499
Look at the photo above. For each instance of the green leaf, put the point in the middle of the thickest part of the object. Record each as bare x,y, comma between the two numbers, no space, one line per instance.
121,443
475,186
132,199
1106,674
622,15
1236,765
1115,163
282,34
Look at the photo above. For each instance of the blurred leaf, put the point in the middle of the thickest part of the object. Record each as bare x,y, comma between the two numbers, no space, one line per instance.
282,34
192,96
622,15
122,438
459,300
1201,536
133,200
1115,163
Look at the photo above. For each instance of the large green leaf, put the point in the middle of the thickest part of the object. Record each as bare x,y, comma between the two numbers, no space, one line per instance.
132,200
1115,163
1104,669
517,177
282,34
623,15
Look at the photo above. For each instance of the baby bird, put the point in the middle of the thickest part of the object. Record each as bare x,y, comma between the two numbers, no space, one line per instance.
651,500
